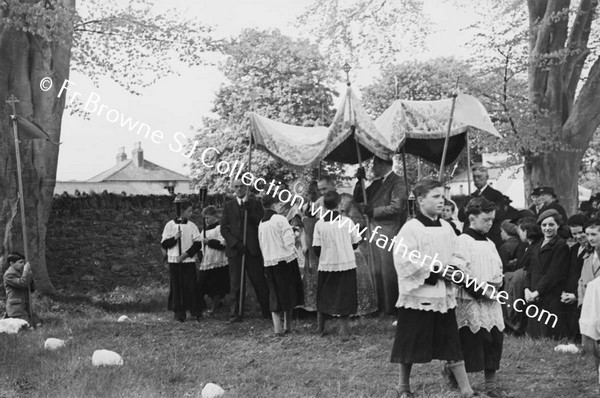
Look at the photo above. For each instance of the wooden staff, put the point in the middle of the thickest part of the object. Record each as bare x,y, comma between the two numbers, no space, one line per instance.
405,178
12,101
244,238
362,181
468,163
446,141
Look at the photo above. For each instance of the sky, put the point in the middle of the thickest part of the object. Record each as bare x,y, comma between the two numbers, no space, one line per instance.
176,104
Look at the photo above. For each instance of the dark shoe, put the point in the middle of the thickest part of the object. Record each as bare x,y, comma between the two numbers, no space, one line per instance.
449,378
236,319
406,394
496,392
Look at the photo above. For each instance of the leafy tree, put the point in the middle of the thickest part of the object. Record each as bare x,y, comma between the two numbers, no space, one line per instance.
366,31
47,39
277,77
561,114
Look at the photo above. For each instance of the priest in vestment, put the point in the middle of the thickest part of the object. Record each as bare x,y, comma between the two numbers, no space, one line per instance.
386,209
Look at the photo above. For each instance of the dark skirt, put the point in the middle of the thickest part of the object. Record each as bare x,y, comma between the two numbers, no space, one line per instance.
213,282
481,350
422,336
285,286
183,291
336,292
543,324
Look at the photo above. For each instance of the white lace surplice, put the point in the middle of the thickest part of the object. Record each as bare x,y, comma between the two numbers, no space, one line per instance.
484,264
434,242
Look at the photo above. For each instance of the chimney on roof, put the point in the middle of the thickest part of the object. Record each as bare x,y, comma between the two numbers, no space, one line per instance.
121,156
137,155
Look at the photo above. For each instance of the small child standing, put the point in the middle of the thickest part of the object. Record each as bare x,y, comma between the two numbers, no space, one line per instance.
479,316
336,281
17,281
427,327
213,273
277,241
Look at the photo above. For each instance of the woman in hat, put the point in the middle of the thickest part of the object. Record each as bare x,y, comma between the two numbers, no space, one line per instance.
546,271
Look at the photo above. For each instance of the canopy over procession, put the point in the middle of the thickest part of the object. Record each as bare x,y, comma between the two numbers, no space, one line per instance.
333,198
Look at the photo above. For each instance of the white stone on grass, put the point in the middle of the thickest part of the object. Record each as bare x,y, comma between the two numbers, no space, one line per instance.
12,325
212,390
570,348
106,358
124,318
52,344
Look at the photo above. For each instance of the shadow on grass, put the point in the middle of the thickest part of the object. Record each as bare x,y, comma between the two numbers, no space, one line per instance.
121,300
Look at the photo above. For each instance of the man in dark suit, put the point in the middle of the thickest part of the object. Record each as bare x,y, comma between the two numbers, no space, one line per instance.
232,227
480,179
386,209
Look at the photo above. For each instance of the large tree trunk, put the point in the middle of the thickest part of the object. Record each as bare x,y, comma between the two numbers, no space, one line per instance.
555,169
557,57
24,60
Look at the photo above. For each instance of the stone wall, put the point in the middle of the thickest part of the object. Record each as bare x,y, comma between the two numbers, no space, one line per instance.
103,241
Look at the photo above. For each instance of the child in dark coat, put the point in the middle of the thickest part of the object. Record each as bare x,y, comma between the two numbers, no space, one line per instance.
18,280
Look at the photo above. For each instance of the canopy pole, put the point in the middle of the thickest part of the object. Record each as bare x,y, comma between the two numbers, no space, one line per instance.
446,141
245,229
12,101
362,181
405,179
468,163
244,237
364,193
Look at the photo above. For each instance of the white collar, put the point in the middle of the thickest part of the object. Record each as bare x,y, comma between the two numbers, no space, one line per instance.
385,176
483,189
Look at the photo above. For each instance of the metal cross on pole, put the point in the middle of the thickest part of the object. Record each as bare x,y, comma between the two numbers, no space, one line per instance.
12,100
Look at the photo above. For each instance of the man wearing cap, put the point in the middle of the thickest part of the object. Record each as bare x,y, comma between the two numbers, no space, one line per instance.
232,227
547,199
386,208
480,179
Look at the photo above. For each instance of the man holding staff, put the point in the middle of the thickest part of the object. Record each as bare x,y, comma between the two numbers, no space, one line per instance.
386,208
238,249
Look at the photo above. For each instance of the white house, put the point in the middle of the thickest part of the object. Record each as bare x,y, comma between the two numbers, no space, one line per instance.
135,176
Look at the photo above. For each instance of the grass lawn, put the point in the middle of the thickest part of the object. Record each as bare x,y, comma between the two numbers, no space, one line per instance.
171,359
